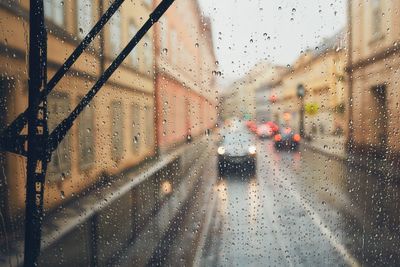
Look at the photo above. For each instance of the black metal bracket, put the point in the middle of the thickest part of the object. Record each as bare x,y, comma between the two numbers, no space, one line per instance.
12,132
61,130
38,144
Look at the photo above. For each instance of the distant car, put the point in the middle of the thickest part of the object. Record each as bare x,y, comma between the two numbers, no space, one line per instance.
287,138
252,126
264,131
274,126
237,151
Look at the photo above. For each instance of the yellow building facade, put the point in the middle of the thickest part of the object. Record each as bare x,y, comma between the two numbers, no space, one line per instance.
322,74
373,69
116,131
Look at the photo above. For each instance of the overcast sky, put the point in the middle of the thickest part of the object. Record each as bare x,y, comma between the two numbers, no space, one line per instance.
247,31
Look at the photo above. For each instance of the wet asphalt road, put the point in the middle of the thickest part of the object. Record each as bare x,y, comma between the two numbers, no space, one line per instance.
303,209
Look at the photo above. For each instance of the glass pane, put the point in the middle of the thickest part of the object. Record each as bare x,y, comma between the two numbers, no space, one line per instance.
234,133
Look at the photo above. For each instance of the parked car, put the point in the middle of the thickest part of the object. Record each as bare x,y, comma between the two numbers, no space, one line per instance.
237,151
287,138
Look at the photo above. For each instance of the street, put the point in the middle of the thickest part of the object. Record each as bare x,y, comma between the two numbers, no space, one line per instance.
302,209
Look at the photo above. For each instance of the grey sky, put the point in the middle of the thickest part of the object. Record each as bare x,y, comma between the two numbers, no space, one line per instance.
247,31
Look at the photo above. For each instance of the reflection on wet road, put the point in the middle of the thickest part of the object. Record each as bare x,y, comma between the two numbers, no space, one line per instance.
301,209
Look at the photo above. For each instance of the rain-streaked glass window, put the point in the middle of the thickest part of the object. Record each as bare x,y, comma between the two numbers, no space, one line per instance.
234,133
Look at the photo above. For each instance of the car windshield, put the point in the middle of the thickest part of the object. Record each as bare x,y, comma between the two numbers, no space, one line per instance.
199,133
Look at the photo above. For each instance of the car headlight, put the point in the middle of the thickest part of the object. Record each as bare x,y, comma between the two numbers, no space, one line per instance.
221,150
252,150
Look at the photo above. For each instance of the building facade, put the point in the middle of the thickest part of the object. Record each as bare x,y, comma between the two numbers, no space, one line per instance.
373,69
185,84
322,74
264,92
115,132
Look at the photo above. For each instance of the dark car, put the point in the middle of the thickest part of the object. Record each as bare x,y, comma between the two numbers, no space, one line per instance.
237,151
287,138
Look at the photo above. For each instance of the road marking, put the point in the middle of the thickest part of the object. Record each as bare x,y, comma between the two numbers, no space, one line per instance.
211,206
317,220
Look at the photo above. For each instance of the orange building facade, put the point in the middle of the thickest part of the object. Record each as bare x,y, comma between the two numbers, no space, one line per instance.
185,84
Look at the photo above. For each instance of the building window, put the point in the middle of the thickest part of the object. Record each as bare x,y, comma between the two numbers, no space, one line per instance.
165,112
149,137
84,17
134,54
148,2
54,11
174,45
376,18
148,54
60,164
136,128
164,33
115,33
86,137
117,130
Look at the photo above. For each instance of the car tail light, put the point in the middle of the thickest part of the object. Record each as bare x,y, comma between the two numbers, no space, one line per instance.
296,138
277,137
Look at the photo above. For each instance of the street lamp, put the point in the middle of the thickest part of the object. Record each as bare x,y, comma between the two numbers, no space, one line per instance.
300,95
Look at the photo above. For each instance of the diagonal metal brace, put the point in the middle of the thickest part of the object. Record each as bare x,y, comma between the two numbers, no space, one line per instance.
11,133
61,130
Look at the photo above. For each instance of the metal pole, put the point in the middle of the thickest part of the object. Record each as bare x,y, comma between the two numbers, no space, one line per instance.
301,130
37,134
300,95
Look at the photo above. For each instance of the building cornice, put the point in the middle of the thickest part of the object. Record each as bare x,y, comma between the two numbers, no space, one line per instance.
374,58
168,70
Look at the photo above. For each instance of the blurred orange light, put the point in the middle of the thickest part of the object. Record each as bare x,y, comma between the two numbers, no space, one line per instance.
296,138
277,137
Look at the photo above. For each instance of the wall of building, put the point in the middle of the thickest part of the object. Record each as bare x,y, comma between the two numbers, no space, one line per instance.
114,133
323,78
375,64
185,85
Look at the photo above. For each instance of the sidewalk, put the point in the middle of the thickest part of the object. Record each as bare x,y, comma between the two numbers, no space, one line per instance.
334,146
329,145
